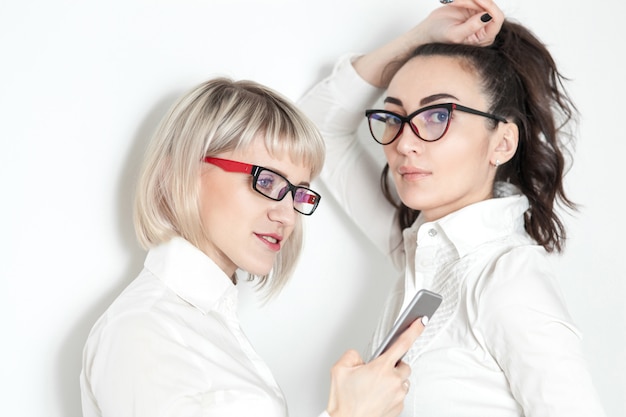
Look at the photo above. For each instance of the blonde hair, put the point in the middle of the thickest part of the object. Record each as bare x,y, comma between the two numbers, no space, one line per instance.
217,116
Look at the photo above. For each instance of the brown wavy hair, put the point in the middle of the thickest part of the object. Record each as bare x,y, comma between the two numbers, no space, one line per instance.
522,82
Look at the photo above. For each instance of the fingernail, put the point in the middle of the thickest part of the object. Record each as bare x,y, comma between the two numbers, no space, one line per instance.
425,320
485,18
445,1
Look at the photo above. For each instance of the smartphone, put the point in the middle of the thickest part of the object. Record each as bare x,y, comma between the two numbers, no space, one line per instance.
425,303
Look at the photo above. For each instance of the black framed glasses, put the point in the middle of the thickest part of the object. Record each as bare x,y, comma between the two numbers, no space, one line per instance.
429,123
271,184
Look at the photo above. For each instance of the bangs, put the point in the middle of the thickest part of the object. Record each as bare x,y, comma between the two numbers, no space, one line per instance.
301,146
284,129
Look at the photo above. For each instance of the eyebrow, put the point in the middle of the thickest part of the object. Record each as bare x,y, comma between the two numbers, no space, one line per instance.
284,175
423,102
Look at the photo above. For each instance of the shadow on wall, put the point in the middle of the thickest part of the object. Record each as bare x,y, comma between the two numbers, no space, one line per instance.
69,359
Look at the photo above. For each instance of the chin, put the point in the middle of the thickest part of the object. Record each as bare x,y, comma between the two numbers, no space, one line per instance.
257,263
259,270
414,205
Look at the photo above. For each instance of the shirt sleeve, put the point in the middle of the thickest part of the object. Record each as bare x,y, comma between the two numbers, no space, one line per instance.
351,174
529,332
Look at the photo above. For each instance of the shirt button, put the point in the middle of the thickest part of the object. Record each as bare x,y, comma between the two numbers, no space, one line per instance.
432,233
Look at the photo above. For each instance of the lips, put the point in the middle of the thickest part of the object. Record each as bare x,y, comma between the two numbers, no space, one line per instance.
272,241
409,172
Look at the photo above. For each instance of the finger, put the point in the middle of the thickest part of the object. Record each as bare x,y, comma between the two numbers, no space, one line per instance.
397,350
403,370
481,7
492,8
478,29
492,28
483,29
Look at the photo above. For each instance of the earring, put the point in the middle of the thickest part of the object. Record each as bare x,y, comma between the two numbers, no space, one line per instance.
497,164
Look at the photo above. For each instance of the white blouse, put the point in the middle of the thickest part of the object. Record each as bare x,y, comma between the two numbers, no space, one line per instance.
502,343
171,345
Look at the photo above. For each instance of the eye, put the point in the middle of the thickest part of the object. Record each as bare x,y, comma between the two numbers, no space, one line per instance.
436,116
266,181
305,196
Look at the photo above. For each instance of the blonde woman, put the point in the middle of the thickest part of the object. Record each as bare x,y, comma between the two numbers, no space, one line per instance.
224,187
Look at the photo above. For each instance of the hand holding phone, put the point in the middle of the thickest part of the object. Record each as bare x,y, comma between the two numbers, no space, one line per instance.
423,304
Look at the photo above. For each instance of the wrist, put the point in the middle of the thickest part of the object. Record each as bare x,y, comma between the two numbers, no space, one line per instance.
419,35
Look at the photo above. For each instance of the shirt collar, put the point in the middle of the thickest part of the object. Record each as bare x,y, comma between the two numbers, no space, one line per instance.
477,223
486,221
189,273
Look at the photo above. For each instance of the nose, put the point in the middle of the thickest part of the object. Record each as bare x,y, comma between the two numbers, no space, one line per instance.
282,211
408,141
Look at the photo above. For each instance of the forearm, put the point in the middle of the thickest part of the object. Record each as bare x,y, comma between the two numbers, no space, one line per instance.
473,22
337,106
378,66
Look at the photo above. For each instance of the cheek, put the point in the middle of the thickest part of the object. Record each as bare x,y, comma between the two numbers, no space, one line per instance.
390,153
467,162
218,203
464,149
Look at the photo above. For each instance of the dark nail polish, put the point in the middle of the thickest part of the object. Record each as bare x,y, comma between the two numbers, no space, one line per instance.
485,18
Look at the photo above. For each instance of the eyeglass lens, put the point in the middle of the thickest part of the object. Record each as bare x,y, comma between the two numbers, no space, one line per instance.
429,125
276,187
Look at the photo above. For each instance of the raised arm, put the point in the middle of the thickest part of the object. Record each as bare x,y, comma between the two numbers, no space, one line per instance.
337,104
462,21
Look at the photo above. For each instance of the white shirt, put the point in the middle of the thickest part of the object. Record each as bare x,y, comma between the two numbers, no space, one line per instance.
171,345
502,343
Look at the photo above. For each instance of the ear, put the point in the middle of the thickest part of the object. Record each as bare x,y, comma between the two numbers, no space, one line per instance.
506,144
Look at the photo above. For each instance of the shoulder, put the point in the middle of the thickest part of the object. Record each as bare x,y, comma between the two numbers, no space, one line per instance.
134,319
519,271
519,288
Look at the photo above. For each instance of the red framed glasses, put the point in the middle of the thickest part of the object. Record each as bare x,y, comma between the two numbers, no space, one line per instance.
271,184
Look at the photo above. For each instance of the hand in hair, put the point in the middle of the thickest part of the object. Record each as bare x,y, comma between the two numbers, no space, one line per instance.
473,22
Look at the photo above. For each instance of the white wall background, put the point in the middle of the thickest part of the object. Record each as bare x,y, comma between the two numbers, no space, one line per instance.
82,86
